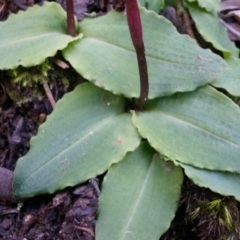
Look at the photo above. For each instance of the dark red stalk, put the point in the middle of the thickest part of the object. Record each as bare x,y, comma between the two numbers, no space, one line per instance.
71,29
135,28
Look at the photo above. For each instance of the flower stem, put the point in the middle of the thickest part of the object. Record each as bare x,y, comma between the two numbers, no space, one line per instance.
71,29
135,28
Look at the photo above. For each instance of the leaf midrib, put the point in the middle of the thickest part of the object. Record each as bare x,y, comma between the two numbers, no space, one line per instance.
103,123
140,194
179,118
31,37
133,51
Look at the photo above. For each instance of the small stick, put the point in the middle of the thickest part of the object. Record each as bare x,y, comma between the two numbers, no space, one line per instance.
186,19
90,231
48,93
187,24
3,7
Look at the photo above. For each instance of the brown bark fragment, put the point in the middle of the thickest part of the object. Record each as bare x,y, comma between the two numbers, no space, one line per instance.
6,185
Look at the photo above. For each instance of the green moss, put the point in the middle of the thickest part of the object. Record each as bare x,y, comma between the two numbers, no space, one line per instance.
204,215
25,84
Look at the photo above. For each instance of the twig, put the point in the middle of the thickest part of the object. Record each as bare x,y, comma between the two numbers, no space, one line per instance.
3,7
90,231
186,20
48,93
187,23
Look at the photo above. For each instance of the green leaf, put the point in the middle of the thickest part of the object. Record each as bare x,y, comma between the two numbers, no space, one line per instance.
107,57
224,183
230,80
209,5
27,38
154,5
139,197
87,132
210,28
169,3
200,128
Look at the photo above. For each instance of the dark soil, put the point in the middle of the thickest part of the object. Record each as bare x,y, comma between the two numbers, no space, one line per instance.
71,213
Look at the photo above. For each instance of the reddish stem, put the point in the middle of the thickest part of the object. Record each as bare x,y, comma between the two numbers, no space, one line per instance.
71,29
135,28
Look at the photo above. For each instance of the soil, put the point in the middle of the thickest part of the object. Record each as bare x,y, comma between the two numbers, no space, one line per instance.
71,213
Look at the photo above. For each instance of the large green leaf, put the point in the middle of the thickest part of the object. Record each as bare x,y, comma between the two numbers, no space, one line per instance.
200,128
107,57
154,5
27,38
210,28
208,5
224,183
230,80
139,197
87,132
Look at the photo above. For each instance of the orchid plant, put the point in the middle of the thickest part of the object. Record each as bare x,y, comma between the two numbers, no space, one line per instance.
147,135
